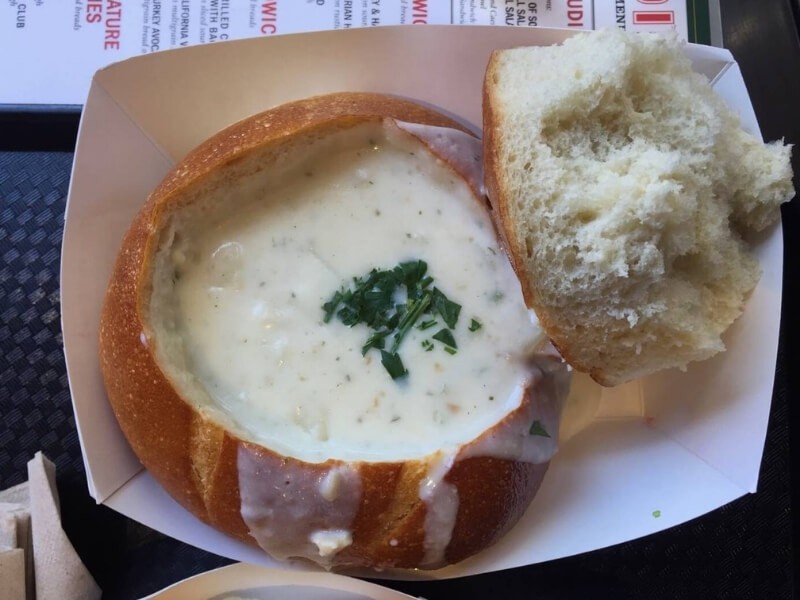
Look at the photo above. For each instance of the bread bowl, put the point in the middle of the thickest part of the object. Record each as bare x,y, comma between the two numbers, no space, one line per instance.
382,501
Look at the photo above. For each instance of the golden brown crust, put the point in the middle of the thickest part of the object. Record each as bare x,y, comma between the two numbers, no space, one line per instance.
155,420
509,480
193,457
500,210
506,227
287,121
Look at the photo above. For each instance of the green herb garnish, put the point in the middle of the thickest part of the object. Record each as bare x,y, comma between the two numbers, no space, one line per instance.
426,324
331,305
376,340
446,337
391,302
393,364
538,429
412,273
446,308
410,317
474,325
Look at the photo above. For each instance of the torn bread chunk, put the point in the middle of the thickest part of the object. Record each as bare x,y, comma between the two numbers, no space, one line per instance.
623,185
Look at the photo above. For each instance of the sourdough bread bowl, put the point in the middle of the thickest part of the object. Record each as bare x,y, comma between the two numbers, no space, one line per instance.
233,265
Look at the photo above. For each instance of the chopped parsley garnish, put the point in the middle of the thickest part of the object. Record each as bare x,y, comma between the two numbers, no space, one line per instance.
376,340
446,337
474,325
393,364
413,313
391,302
426,324
538,429
449,310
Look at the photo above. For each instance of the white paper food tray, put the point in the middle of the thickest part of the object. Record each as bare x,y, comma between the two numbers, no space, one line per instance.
660,452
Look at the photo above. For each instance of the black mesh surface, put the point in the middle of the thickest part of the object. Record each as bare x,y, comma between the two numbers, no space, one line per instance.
743,550
34,397
127,559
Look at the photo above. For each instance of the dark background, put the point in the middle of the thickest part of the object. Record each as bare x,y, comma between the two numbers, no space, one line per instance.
743,550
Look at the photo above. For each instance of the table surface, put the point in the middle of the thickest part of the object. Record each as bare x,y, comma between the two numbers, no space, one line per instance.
743,550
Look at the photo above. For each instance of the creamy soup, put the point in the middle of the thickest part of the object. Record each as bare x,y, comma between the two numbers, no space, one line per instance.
249,283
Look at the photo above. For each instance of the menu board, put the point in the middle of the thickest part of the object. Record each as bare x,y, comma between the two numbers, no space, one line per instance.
51,48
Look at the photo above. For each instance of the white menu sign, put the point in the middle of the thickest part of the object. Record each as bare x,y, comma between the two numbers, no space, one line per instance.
51,48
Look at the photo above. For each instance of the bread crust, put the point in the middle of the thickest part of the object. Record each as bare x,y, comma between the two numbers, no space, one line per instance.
505,226
195,458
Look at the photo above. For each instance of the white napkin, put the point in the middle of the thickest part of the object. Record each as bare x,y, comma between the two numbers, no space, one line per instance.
37,560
